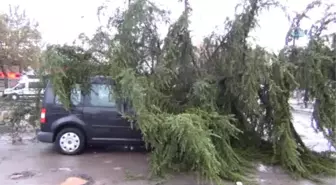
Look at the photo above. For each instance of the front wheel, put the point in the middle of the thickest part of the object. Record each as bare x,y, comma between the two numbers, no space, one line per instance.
70,141
14,97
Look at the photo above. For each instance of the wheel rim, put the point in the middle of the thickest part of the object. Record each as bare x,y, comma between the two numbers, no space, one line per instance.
14,97
69,142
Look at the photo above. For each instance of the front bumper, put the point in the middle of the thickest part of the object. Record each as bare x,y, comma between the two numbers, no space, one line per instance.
45,137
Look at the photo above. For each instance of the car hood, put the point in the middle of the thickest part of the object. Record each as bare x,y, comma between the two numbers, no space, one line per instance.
8,90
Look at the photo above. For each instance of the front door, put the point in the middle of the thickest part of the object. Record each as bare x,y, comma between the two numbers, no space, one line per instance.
28,91
19,89
102,114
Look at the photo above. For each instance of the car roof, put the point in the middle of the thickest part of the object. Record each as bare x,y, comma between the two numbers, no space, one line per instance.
95,80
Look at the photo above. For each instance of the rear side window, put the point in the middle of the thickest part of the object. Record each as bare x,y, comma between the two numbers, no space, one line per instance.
35,85
101,95
76,97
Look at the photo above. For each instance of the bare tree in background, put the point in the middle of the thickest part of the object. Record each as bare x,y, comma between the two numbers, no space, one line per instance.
19,48
19,40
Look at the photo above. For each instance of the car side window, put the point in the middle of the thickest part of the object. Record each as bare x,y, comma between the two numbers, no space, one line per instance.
101,95
76,97
35,85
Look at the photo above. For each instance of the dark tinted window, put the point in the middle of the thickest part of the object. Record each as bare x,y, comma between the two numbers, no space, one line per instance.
101,95
76,97
35,85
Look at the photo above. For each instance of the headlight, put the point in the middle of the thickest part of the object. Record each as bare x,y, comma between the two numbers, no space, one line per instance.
7,91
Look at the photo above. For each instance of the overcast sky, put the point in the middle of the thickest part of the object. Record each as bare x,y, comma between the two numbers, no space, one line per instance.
62,20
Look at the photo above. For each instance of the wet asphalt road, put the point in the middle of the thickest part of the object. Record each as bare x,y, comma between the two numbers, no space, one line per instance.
105,166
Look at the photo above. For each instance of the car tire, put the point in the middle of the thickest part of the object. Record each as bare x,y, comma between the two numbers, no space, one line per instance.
70,141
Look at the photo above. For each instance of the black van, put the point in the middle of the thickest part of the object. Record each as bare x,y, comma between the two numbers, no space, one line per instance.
94,118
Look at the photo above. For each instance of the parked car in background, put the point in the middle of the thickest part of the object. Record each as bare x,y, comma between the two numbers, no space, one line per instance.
94,118
25,88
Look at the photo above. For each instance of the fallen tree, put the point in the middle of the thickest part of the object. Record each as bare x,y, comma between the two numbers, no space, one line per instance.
205,109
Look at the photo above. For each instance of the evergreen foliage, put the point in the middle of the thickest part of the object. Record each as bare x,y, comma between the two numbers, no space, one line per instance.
201,108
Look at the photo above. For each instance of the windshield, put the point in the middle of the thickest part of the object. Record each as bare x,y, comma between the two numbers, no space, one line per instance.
19,86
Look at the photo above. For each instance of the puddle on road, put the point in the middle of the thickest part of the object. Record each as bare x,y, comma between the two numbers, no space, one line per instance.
61,169
22,175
